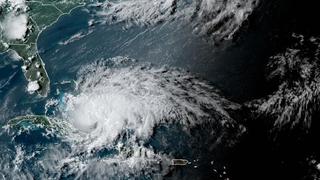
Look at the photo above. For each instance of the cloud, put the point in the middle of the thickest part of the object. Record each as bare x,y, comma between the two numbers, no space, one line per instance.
138,99
14,26
219,19
33,86
14,3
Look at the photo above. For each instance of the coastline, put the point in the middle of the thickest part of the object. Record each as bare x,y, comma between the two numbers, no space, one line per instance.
35,44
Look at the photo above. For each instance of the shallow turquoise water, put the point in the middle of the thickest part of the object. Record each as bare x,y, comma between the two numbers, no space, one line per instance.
170,44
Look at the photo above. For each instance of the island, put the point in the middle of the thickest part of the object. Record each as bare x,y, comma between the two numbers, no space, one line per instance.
29,121
21,23
179,162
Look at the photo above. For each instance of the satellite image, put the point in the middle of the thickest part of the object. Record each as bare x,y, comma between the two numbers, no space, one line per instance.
159,89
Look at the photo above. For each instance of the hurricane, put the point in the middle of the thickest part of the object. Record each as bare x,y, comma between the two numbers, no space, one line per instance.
159,89
110,124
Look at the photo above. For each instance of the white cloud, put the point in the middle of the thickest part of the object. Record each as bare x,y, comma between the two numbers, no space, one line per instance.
138,99
14,55
13,3
33,86
14,27
14,24
17,2
219,19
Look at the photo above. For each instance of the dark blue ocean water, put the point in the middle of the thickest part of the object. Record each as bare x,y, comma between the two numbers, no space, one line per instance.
232,69
14,98
168,44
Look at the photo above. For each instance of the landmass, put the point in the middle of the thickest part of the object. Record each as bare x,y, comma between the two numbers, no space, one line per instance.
179,162
34,122
21,23
29,120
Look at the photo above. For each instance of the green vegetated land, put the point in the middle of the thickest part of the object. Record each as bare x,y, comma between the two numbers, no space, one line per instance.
22,121
41,14
34,122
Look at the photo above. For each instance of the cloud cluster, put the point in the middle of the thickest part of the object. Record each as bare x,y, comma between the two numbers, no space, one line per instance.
218,19
137,99
296,71
14,24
